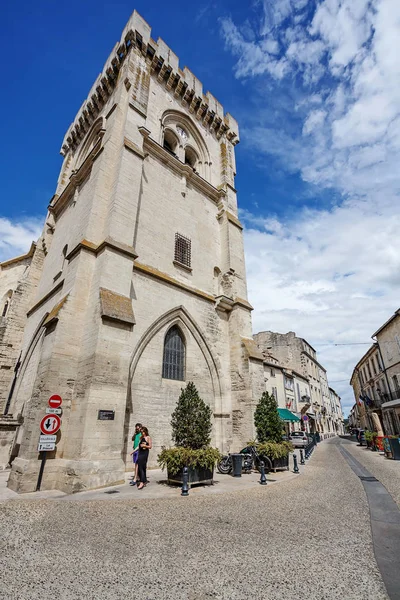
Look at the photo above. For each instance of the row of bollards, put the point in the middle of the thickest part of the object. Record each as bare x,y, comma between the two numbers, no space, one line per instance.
304,454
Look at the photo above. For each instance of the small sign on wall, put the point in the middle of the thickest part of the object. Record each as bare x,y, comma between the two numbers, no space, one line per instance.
106,415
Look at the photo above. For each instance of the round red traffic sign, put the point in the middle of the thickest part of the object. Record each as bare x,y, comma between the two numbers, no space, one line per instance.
50,424
55,401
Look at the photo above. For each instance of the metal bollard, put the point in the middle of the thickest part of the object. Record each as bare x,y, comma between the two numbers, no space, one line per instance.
263,479
308,452
295,465
302,461
185,482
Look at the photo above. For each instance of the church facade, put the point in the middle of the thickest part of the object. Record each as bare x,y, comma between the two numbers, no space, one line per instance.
142,284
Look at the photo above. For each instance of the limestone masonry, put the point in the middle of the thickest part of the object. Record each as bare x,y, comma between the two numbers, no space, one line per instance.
137,284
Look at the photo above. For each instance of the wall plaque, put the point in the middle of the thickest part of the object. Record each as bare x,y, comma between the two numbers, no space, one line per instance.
106,415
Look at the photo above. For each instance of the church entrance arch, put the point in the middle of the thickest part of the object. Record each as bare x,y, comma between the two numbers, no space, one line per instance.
152,395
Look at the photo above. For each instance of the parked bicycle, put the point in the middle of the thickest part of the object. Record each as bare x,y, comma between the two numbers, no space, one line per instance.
251,460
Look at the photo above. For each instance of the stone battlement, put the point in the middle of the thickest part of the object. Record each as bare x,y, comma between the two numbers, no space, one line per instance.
164,64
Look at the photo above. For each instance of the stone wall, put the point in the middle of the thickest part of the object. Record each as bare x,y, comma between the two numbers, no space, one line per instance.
111,287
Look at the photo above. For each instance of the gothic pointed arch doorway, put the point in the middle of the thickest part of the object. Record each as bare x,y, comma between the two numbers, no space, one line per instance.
172,352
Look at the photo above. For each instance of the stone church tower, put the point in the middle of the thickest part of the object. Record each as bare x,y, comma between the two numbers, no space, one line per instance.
143,286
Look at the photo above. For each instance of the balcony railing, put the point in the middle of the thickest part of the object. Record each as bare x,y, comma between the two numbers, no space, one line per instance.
390,396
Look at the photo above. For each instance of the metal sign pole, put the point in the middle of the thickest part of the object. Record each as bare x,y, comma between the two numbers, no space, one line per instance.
43,456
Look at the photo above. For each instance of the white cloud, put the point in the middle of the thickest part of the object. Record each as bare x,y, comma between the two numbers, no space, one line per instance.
331,275
17,236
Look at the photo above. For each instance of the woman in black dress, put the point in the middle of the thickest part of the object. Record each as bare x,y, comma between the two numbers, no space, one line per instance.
144,447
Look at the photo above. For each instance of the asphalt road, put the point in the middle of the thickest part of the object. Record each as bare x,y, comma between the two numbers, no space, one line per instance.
307,538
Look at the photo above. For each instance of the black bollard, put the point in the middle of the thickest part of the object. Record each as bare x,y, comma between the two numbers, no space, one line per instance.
308,451
295,466
185,482
302,461
263,479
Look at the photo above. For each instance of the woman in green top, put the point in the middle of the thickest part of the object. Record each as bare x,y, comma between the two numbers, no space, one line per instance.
136,441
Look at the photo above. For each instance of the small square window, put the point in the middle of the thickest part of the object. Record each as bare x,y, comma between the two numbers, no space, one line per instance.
183,250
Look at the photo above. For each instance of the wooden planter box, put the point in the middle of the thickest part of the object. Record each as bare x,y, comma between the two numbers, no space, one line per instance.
280,464
198,475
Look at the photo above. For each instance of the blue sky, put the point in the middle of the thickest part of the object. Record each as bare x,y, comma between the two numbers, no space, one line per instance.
315,87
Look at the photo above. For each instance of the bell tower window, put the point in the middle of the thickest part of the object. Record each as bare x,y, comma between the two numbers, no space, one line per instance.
190,157
170,142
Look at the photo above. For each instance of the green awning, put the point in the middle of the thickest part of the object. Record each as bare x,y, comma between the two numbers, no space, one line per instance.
286,415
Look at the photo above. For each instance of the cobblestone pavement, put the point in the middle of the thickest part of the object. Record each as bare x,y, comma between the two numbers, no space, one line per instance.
306,538
384,469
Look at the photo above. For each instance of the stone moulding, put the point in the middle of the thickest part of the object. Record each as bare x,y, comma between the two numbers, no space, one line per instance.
251,349
115,307
134,148
180,316
158,152
12,261
224,303
58,203
242,303
44,298
53,317
108,243
231,218
153,272
137,109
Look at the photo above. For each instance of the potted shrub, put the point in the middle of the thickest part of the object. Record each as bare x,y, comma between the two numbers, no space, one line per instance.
191,429
368,438
269,429
374,441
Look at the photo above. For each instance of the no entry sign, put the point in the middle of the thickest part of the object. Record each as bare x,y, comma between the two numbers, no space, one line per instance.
50,424
55,401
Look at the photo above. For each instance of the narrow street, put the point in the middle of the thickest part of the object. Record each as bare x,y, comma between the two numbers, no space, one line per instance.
308,537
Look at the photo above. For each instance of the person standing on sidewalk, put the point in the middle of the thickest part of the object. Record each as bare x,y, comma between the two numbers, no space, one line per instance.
144,446
137,436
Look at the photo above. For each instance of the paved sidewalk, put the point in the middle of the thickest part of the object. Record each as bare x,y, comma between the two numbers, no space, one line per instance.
157,488
386,470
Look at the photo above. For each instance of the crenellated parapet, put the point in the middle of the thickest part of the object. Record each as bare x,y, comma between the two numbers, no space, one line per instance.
163,64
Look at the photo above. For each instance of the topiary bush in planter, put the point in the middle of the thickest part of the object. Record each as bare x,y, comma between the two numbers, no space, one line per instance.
270,430
370,438
191,432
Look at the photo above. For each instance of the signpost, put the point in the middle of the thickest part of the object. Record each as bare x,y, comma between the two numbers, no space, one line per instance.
49,425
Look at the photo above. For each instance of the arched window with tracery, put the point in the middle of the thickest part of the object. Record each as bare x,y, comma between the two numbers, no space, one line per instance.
174,355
